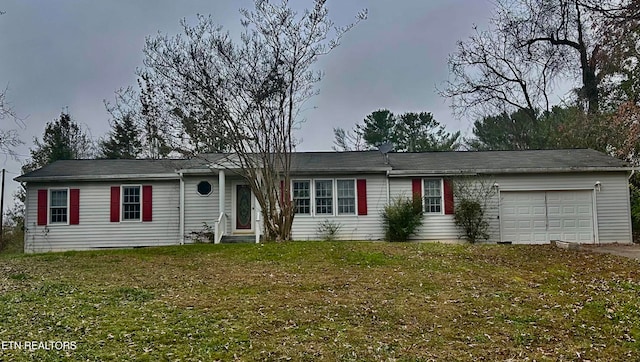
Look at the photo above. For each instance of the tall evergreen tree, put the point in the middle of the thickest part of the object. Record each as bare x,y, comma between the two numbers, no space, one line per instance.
124,140
420,132
378,127
409,132
63,139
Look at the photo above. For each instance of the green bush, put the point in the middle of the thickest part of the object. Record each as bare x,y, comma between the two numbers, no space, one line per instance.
401,218
469,215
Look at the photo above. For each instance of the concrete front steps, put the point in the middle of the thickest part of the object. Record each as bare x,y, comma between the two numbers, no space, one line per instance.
238,239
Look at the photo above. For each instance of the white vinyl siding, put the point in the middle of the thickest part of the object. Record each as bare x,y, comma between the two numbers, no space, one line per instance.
435,226
611,202
96,230
611,208
200,212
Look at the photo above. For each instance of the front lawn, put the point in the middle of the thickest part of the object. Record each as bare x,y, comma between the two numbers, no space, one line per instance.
322,301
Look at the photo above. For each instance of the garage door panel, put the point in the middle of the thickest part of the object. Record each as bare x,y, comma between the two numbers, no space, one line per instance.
553,210
523,217
576,217
585,210
538,211
540,216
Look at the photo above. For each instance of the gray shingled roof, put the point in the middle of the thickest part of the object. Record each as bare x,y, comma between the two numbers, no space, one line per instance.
347,162
505,161
78,169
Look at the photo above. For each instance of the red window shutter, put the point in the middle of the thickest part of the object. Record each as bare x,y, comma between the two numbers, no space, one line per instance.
115,203
448,197
74,206
42,207
416,188
362,196
147,203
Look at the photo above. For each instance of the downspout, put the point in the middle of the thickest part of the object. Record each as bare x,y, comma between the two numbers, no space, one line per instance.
181,208
388,188
630,218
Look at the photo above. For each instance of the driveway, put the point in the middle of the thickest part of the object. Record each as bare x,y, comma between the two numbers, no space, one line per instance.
631,251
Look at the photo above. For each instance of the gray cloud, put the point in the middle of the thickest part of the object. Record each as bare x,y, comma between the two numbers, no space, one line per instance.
75,53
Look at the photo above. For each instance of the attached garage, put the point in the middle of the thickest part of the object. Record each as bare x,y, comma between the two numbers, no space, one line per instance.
537,217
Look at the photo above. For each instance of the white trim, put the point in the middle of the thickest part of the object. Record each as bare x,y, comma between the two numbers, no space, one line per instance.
314,210
424,209
122,219
210,190
355,197
499,215
596,226
550,189
594,213
334,196
502,171
49,222
149,177
311,197
182,202
222,192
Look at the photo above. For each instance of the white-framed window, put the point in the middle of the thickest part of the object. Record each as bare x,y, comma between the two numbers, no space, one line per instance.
432,196
324,197
302,196
58,206
131,202
346,193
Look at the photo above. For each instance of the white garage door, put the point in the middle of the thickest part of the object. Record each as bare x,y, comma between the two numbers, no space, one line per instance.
536,217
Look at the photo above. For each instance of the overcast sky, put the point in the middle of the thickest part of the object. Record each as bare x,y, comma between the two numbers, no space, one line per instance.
76,53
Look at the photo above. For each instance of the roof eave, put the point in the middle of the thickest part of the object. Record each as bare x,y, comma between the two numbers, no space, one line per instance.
150,177
472,172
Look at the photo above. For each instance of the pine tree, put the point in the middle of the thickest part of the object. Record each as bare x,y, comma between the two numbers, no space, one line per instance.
124,140
63,139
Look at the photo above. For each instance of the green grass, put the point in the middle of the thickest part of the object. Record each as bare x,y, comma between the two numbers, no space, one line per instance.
305,301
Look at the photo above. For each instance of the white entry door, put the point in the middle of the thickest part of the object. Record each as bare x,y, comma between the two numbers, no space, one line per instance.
537,217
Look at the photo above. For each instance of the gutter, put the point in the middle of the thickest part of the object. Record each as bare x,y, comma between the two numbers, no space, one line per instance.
474,172
151,177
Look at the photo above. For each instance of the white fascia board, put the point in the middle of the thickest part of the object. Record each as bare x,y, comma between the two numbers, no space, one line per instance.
407,173
150,177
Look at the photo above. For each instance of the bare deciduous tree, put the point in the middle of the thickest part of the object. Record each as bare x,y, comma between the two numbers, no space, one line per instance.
252,90
8,137
345,140
532,46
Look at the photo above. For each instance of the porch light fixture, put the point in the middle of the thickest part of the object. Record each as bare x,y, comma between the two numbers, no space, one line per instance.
598,186
496,186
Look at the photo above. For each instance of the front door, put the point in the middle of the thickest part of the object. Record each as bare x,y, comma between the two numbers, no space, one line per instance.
243,207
